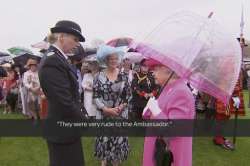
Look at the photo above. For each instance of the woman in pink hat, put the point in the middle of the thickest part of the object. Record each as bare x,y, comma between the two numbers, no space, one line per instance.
175,102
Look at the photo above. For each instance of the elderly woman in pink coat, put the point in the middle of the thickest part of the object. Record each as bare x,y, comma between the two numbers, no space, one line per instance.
175,102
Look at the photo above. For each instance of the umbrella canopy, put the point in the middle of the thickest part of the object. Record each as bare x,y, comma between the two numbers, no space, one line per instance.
118,42
5,57
19,50
3,54
90,58
22,59
90,51
78,53
3,72
43,45
198,49
130,54
90,54
134,57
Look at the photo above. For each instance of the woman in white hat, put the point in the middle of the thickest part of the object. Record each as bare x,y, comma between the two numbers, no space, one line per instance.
87,86
111,94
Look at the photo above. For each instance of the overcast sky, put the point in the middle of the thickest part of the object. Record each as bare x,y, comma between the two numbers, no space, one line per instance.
25,22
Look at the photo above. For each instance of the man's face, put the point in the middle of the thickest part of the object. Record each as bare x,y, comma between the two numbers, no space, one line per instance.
144,69
69,43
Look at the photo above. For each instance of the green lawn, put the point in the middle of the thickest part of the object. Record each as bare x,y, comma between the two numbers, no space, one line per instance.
30,151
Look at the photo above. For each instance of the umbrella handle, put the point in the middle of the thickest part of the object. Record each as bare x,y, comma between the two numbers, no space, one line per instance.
171,75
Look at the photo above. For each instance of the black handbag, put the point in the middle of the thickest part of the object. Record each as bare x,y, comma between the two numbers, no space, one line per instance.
162,154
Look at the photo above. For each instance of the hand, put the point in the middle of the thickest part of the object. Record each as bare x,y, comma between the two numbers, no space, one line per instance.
195,92
121,107
152,106
236,101
90,85
43,96
111,111
148,95
35,90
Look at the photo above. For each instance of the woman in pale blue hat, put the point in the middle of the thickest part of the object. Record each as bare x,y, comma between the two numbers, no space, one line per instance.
111,94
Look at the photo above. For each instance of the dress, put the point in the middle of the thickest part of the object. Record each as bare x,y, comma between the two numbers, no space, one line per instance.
87,82
111,94
31,80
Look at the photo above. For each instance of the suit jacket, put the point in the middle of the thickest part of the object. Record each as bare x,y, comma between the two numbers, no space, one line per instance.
140,87
59,84
176,102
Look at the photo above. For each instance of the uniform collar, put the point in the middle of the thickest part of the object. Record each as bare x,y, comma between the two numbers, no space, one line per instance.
65,56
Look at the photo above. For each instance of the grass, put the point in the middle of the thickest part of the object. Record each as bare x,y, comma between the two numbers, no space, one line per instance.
32,151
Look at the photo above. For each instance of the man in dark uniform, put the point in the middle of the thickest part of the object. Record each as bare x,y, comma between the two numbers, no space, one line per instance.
59,84
143,87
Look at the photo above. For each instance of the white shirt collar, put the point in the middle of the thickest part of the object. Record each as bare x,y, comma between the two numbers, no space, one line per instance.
65,56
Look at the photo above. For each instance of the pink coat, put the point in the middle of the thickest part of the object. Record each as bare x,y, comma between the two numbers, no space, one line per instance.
176,102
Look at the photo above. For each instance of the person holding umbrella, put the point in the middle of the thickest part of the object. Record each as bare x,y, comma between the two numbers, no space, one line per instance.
176,101
182,56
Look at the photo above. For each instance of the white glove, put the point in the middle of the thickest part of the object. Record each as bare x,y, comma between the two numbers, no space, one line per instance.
236,101
152,106
195,91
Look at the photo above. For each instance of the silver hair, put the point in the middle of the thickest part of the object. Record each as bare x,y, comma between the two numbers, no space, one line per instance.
56,36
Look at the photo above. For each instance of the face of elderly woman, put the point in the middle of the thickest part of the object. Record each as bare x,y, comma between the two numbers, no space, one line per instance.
161,74
112,61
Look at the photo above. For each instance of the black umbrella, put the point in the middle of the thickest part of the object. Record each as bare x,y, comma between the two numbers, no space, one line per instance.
3,54
90,54
90,51
22,59
3,72
4,57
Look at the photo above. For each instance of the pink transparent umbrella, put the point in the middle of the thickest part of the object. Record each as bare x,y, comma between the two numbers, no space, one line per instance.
197,48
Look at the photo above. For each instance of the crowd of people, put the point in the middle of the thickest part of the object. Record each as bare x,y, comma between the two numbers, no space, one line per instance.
68,84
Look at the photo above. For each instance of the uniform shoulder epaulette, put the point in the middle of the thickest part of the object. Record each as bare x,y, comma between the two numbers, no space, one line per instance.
50,53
